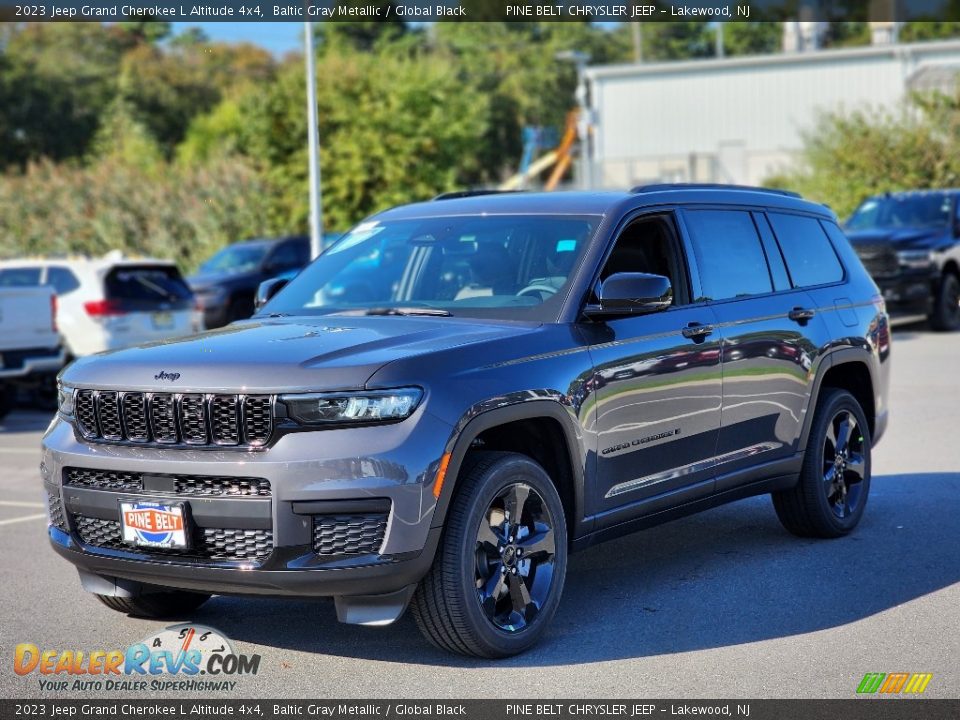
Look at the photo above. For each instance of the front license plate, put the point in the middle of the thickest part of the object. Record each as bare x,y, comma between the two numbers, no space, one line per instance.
163,321
153,524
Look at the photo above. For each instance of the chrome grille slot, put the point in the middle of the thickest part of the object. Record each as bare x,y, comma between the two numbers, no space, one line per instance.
85,411
224,424
257,419
163,419
108,414
193,419
134,407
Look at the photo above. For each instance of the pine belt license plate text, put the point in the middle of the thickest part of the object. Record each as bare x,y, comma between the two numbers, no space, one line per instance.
163,321
153,524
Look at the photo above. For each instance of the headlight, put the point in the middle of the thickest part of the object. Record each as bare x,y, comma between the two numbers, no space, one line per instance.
65,400
376,406
917,259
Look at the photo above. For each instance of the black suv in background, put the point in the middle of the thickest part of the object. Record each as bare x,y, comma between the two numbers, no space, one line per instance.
225,285
910,244
525,375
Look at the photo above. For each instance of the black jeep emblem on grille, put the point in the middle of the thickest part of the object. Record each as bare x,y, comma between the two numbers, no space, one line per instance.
163,375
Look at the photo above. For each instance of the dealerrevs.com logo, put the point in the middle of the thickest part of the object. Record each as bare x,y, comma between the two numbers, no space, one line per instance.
178,658
894,683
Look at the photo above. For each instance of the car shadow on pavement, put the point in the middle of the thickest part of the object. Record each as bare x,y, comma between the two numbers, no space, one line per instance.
725,577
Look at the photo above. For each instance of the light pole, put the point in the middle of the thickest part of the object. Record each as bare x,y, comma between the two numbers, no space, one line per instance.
580,60
316,212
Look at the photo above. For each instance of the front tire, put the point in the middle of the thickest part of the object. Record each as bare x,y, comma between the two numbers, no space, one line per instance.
498,575
830,497
165,604
946,307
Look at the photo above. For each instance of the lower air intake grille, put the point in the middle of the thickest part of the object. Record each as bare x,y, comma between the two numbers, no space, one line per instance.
209,543
207,485
348,534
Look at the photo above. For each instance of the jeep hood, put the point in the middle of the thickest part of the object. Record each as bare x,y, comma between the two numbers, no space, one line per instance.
281,355
902,238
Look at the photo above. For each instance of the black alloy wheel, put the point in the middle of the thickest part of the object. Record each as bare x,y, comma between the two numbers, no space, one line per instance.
844,464
516,551
498,574
834,482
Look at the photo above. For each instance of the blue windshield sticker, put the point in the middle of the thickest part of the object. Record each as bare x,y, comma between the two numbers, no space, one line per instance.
566,246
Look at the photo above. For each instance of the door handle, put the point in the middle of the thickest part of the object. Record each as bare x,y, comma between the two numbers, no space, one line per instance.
801,315
697,332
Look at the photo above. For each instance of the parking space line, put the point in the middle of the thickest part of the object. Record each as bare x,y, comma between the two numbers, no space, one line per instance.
16,503
11,521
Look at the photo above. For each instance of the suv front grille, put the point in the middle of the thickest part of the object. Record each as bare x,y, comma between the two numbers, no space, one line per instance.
209,543
173,418
203,485
348,534
880,259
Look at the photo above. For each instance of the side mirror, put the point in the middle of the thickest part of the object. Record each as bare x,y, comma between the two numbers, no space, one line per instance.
266,291
632,294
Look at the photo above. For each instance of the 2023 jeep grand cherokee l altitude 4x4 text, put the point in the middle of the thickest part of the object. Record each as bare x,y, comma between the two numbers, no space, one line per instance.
508,378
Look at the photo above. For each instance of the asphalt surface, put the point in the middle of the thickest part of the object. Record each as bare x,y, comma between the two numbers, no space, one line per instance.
723,604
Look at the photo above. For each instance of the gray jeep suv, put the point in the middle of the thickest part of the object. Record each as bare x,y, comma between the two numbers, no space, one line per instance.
498,380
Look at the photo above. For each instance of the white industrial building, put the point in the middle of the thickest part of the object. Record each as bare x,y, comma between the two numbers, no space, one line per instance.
741,120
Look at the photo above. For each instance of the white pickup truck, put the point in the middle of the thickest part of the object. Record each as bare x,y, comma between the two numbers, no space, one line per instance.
30,349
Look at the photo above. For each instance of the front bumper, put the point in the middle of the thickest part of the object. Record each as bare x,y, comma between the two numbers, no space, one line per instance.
909,293
296,536
19,364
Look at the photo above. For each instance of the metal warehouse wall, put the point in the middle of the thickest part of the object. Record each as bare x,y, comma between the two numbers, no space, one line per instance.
738,120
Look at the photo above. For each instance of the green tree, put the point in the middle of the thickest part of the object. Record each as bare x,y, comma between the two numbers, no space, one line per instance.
849,156
919,31
752,38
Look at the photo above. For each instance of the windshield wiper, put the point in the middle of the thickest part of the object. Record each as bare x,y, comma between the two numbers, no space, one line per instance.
435,312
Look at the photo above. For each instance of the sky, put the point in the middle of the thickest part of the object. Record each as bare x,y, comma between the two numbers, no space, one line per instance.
277,37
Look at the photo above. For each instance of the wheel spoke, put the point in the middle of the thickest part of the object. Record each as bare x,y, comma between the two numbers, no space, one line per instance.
847,426
538,544
515,502
488,536
830,477
494,586
857,467
519,594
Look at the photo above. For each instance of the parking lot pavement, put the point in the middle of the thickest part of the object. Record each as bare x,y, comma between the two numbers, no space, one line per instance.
724,604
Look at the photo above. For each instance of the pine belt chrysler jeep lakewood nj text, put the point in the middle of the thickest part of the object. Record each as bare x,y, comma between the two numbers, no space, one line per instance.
498,380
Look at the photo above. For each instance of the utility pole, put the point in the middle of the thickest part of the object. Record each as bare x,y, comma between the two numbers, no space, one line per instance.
580,60
316,209
719,40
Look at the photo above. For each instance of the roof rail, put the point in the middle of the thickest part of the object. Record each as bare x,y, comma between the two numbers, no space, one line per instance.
454,194
660,187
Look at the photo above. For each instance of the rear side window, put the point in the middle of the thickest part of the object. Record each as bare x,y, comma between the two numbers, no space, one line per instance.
729,253
156,283
20,277
806,250
62,280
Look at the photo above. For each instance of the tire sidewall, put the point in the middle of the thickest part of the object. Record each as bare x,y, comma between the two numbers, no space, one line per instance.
505,472
838,402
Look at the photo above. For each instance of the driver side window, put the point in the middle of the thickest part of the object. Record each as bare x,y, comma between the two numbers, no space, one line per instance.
650,245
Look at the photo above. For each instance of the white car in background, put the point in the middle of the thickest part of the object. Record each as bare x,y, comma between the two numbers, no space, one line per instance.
111,302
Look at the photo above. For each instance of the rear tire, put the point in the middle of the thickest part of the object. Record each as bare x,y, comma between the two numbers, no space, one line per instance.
830,497
946,306
496,580
169,603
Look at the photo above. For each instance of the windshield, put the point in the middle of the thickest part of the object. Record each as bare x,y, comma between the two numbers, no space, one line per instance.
235,259
509,267
901,211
